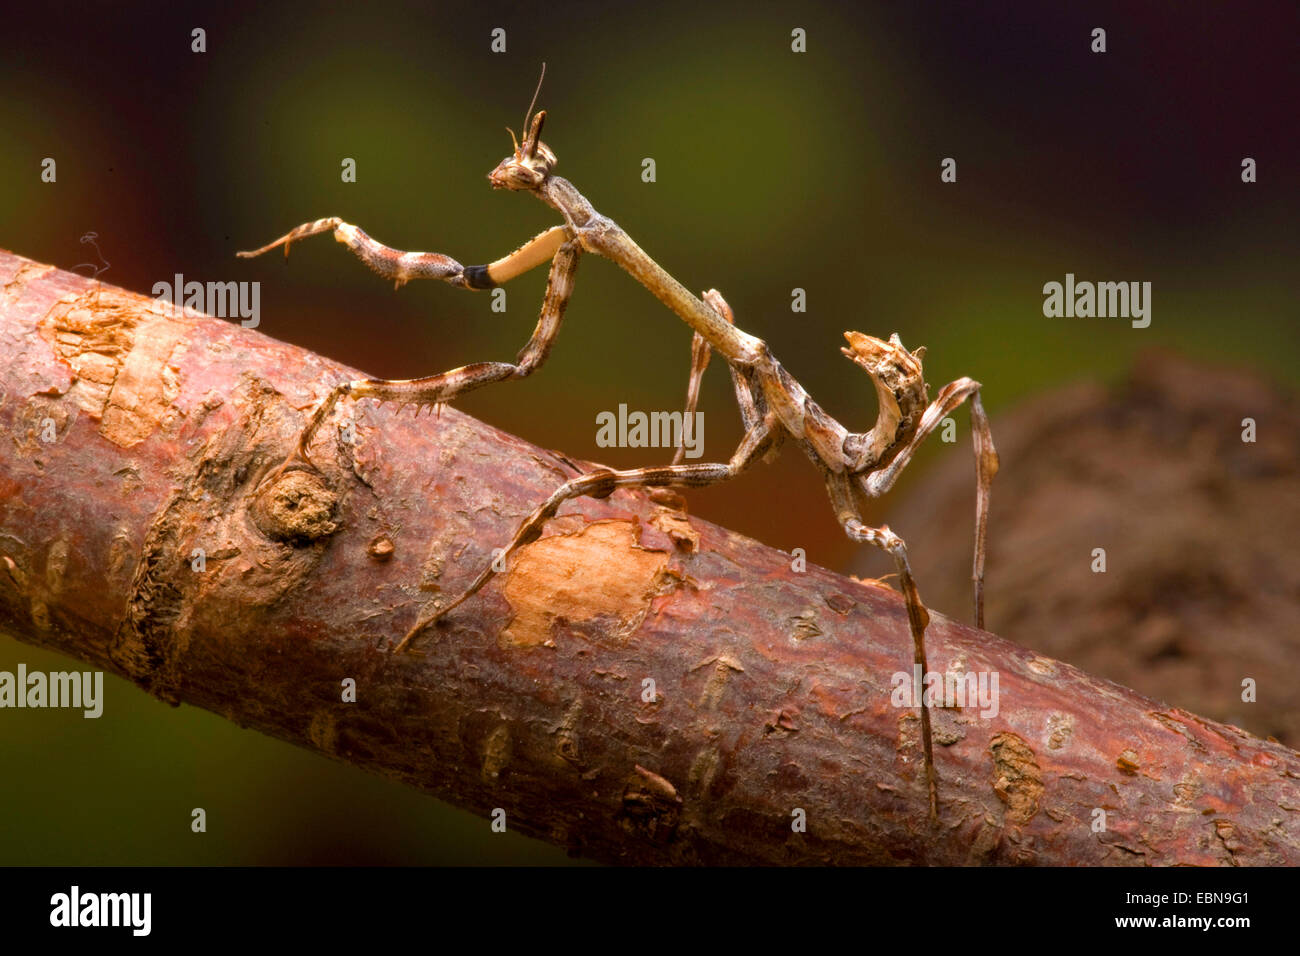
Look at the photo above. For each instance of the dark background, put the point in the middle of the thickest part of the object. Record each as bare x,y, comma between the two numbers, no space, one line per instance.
775,170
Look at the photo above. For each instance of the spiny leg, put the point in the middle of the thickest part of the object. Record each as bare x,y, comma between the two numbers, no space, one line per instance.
700,353
438,389
402,267
600,484
986,467
918,618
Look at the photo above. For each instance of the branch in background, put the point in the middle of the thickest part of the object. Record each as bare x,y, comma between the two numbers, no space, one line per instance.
771,694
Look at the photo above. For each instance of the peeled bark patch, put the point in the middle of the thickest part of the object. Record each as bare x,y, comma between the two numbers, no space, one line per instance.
600,572
1017,779
121,357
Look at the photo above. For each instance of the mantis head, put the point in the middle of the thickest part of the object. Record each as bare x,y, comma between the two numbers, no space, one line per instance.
530,164
533,160
900,387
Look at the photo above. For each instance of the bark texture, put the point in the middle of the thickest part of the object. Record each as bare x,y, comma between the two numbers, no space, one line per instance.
135,436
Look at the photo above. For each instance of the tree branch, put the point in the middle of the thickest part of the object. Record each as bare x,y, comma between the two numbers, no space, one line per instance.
137,436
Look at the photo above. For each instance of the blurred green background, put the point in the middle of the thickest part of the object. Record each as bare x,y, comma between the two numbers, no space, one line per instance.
775,170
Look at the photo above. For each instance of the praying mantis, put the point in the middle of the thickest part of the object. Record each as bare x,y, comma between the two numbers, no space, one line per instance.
773,406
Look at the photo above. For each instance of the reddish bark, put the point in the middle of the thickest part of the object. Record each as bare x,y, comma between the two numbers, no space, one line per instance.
771,687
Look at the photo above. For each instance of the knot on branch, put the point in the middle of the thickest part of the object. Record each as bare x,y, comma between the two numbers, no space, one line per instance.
297,508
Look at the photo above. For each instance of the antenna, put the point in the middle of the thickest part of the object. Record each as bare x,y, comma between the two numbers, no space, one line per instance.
529,114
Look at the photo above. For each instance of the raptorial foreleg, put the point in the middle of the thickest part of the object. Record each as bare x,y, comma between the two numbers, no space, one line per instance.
986,467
